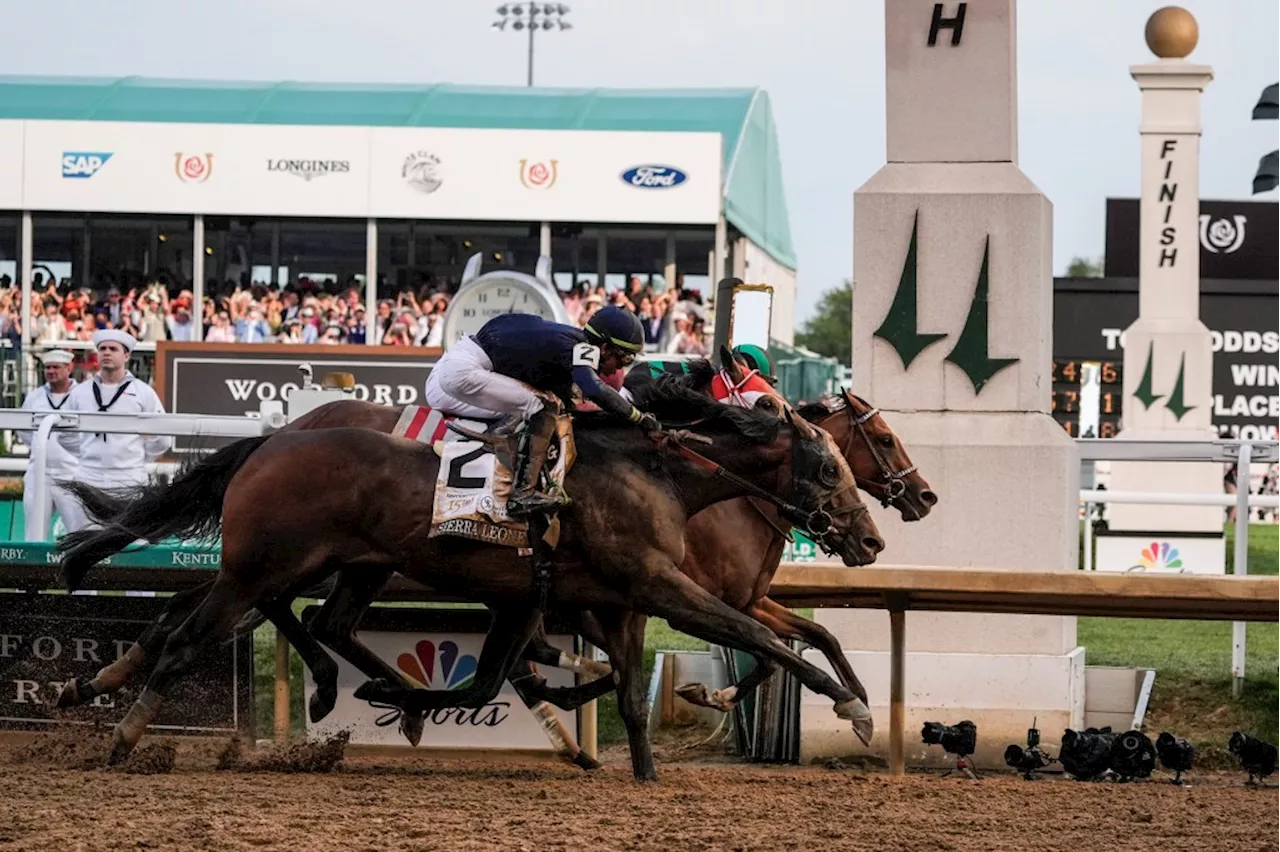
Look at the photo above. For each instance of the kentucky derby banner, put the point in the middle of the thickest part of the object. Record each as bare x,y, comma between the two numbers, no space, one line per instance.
433,173
1237,240
234,379
45,640
438,649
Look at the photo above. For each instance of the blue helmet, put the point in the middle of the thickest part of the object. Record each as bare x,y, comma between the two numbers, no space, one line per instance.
616,327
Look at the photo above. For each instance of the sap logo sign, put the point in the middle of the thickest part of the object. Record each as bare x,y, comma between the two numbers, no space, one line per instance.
83,164
653,177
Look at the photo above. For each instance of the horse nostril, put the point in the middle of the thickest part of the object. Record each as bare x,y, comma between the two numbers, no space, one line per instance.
928,498
873,543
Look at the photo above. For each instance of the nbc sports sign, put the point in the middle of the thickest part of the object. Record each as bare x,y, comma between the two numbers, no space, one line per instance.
1146,553
437,649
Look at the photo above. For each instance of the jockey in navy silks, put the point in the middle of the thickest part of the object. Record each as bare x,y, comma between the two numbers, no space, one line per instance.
485,376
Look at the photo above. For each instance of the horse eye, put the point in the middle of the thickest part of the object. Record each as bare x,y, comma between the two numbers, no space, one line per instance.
767,403
885,440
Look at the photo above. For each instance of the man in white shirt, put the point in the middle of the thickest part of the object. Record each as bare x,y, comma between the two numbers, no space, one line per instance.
59,464
111,460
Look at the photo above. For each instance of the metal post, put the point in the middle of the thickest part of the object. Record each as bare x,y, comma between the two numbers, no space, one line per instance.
602,257
897,686
371,283
275,252
1241,563
544,239
721,249
669,267
531,30
197,274
724,312
282,689
26,247
1088,536
588,714
37,526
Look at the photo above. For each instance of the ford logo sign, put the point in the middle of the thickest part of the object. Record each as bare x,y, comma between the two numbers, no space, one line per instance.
653,177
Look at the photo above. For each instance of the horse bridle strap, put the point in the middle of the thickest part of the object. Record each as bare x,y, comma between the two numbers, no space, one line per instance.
816,522
893,485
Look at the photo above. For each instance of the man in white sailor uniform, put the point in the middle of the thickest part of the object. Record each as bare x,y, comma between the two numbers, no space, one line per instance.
59,464
111,460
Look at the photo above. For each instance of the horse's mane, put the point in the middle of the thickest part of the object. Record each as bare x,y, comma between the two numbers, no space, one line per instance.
699,372
673,400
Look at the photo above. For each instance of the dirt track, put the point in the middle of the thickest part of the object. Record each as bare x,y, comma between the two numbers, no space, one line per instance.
380,805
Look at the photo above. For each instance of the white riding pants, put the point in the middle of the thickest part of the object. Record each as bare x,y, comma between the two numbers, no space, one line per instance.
463,382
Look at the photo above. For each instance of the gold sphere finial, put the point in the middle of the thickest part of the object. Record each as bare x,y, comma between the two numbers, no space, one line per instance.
345,381
1172,32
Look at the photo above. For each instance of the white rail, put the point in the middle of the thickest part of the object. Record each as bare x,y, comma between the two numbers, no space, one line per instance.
45,423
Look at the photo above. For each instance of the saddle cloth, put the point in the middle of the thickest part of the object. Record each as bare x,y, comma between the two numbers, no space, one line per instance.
474,482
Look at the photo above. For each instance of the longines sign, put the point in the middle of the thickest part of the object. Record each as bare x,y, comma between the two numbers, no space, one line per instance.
45,640
1237,239
233,379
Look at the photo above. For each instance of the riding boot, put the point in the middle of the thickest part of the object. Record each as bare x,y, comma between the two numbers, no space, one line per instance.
531,455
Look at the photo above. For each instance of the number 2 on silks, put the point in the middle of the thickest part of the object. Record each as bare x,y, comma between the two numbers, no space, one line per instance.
586,355
457,463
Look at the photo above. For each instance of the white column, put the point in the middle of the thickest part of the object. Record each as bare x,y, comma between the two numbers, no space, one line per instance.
197,273
1168,353
952,340
26,246
721,250
544,239
371,284
669,267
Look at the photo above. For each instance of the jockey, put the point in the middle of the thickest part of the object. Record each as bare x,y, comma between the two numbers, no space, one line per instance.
757,359
485,376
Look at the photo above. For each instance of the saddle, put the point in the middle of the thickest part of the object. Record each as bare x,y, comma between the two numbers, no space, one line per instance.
477,476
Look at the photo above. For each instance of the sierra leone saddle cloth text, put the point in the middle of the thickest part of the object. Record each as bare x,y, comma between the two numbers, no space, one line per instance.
475,482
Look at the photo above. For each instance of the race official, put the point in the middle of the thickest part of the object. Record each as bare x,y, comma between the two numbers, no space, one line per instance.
59,464
111,460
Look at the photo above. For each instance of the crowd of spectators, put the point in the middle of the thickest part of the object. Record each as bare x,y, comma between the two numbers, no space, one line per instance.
311,311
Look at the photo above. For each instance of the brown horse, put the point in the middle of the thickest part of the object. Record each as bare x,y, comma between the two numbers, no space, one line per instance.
618,551
737,566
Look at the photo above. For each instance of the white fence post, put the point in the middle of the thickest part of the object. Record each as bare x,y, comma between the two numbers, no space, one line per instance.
1241,564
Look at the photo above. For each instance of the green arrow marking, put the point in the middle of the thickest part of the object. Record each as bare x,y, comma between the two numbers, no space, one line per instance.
1178,399
971,350
899,327
1143,392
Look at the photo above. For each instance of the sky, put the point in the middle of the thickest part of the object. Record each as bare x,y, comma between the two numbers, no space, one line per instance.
821,61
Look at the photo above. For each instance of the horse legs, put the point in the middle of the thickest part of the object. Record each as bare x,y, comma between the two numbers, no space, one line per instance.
147,646
726,699
504,644
324,671
530,686
212,621
626,642
789,625
335,626
689,608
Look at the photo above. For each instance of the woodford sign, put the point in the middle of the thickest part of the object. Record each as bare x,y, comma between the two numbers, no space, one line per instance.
47,639
234,378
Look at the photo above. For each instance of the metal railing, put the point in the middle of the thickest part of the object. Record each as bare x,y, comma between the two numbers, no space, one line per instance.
1241,453
45,423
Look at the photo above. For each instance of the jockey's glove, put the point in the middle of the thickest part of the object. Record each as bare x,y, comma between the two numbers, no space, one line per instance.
647,422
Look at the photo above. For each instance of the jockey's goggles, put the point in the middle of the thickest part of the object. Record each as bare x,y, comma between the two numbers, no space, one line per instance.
624,345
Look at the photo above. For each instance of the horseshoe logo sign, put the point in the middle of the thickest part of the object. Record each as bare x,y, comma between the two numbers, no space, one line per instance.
1221,235
192,168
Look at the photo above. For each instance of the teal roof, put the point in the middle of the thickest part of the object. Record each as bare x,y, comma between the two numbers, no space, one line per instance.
754,200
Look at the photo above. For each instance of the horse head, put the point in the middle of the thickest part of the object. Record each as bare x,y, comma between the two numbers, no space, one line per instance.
877,456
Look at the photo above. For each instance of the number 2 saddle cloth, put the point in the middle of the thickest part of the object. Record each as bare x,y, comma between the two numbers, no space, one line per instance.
474,482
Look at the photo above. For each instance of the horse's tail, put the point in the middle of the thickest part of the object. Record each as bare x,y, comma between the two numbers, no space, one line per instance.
188,508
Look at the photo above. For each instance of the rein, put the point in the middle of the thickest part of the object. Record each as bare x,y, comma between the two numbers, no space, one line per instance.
817,522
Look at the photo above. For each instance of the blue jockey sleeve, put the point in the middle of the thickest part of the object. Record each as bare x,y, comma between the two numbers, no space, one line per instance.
594,389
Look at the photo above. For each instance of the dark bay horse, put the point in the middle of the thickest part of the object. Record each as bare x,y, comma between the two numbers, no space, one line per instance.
732,549
370,494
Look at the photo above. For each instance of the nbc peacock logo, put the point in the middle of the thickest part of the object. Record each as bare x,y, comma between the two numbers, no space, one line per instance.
1159,556
442,666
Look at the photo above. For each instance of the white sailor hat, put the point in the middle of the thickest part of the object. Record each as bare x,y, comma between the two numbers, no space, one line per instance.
110,334
57,356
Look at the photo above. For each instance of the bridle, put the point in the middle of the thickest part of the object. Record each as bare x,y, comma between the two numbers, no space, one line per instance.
893,485
817,522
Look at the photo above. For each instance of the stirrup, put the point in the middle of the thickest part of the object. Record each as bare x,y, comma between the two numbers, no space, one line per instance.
535,502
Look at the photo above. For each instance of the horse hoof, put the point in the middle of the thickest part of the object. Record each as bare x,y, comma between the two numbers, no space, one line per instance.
69,695
694,693
321,704
378,689
582,760
594,669
723,700
857,712
119,751
412,725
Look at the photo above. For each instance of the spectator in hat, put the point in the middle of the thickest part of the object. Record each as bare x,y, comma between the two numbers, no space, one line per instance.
109,460
59,464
